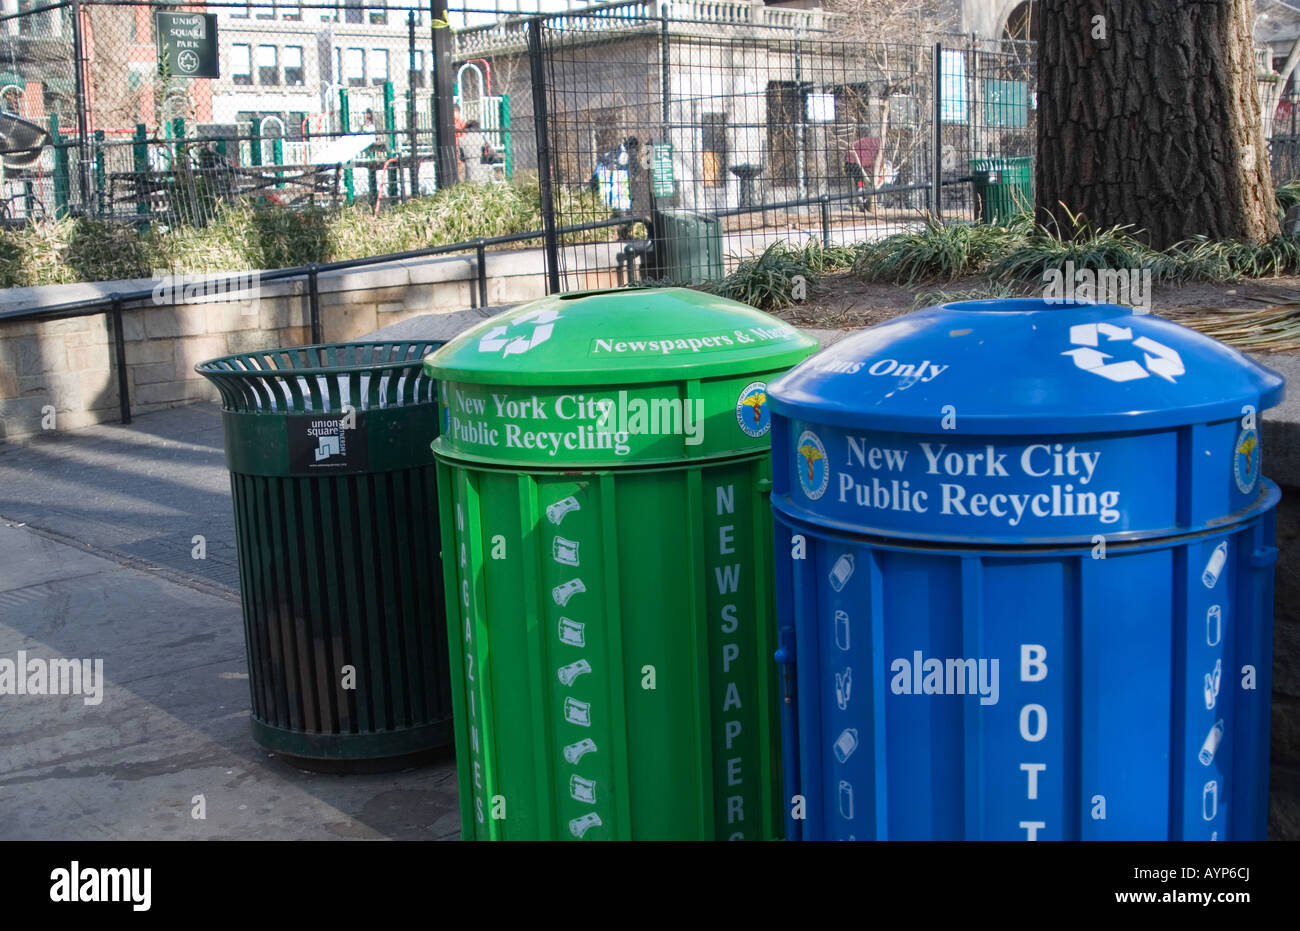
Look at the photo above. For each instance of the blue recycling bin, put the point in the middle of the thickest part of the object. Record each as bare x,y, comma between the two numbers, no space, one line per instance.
1024,558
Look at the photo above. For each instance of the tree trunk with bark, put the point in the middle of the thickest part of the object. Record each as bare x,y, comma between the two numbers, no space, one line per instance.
1149,116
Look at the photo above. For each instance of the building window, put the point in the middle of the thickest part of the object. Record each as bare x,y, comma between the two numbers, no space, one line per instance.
264,12
378,16
238,12
293,75
270,125
713,145
268,69
417,69
297,120
291,11
241,64
354,67
378,65
352,11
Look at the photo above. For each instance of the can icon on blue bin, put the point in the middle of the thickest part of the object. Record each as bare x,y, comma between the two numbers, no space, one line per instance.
1036,595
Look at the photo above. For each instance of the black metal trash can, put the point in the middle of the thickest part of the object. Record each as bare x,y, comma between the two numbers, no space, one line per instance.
336,520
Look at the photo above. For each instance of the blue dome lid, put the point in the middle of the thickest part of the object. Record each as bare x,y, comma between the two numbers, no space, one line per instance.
1025,366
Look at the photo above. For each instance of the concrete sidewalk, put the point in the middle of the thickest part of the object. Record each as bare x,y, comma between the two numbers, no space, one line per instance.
96,563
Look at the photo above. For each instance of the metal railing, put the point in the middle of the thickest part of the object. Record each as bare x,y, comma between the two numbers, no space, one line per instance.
115,303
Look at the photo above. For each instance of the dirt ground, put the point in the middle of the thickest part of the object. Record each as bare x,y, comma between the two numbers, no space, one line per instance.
844,302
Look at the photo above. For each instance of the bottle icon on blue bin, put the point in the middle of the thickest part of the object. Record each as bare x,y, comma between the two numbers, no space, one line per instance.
1214,567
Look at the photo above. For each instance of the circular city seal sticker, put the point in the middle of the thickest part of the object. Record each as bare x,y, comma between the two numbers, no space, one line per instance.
1245,460
810,461
751,410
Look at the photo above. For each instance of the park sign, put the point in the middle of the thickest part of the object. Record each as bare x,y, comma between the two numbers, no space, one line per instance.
661,169
187,44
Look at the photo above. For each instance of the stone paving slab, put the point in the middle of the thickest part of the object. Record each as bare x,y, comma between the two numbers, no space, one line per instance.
95,563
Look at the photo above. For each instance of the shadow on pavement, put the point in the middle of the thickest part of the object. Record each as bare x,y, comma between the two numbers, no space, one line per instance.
96,561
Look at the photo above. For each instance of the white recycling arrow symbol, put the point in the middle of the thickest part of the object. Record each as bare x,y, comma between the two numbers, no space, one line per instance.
496,340
1159,359
492,341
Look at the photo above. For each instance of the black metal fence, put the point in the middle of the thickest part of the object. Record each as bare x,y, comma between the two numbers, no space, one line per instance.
762,119
731,126
735,134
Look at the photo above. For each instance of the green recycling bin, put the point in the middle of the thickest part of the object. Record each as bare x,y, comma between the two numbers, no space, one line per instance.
603,479
1004,187
336,525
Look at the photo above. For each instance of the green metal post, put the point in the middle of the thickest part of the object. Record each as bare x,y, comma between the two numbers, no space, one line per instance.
349,185
62,176
277,153
255,144
140,165
507,145
390,123
178,134
101,175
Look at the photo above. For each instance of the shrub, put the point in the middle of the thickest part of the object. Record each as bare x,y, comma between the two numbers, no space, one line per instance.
768,281
937,251
242,235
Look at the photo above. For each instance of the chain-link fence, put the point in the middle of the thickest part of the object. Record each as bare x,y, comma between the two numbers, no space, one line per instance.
174,109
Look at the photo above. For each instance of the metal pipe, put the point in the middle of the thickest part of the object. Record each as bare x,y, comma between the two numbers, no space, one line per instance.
411,139
83,108
800,142
313,303
664,64
444,121
119,351
936,153
540,122
480,258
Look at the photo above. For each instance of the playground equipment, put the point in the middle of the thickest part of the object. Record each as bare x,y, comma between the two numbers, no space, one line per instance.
358,146
490,111
22,143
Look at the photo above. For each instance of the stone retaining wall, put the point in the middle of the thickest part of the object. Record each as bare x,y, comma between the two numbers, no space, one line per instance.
65,369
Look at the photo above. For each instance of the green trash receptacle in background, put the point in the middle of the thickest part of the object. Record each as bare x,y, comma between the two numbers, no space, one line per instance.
336,525
603,476
689,246
1004,187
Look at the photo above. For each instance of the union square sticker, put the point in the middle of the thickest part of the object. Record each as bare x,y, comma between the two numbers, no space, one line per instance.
811,464
752,411
1245,460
